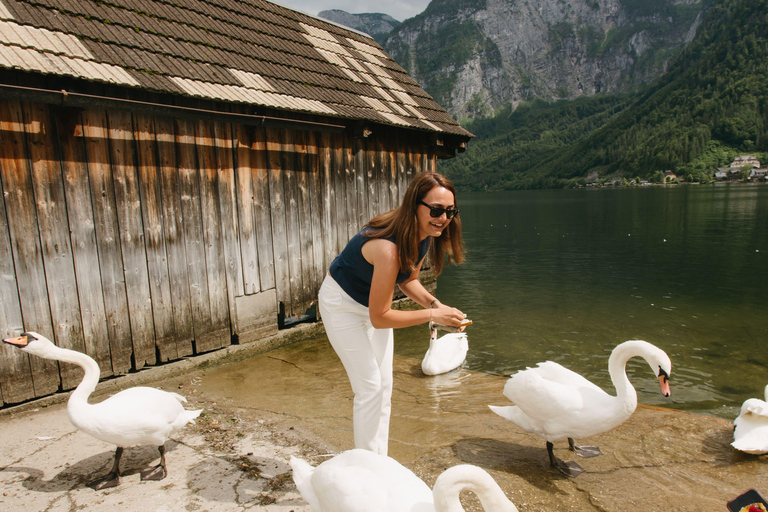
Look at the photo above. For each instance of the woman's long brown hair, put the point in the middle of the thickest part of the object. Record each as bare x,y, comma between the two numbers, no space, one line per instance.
401,223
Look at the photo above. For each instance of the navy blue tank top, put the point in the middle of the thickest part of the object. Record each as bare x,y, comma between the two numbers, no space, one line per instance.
353,272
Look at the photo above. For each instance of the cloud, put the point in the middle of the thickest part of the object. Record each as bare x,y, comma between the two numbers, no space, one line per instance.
398,9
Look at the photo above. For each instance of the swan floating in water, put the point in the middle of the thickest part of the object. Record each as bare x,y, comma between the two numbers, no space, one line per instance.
135,416
557,403
751,432
445,353
362,481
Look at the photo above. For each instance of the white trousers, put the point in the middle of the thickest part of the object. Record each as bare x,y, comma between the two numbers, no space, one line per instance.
366,353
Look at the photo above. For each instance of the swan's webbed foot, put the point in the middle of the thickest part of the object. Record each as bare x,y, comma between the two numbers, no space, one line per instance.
111,479
568,468
158,472
584,451
154,473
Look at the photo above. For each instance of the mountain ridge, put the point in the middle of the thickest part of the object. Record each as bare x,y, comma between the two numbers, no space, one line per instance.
476,56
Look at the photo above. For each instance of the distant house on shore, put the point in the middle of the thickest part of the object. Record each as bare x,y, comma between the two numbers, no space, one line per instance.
669,177
176,176
738,166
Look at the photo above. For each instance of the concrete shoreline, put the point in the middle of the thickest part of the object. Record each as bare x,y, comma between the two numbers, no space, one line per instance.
263,404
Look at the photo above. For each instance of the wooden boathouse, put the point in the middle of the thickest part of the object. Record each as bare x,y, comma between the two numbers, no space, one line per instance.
177,175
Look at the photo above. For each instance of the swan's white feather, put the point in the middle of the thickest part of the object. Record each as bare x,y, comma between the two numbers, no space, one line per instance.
556,403
135,416
362,481
751,432
445,353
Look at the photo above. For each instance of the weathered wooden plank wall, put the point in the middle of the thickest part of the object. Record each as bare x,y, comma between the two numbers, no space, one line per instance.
140,239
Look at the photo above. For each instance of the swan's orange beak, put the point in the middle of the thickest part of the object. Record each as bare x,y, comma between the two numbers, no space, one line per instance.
18,341
664,381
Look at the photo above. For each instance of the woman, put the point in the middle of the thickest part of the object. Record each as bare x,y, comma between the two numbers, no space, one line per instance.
355,299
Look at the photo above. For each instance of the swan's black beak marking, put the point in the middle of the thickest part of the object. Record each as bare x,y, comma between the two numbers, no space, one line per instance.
664,381
18,341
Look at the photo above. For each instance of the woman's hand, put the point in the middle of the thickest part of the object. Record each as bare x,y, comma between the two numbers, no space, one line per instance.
446,315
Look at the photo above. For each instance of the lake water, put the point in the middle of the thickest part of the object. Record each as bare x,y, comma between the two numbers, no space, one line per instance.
566,275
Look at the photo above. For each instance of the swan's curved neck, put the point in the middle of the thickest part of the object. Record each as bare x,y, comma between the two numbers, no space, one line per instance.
469,478
90,367
617,367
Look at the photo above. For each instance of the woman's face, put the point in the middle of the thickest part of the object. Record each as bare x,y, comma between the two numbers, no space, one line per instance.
434,226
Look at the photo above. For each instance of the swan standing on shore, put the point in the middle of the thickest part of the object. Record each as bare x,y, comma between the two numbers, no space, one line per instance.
557,403
750,434
362,481
135,416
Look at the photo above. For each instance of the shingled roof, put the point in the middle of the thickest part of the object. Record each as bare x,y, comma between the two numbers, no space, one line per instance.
241,51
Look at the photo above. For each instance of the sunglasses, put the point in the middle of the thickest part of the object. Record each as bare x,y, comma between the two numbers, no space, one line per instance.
436,211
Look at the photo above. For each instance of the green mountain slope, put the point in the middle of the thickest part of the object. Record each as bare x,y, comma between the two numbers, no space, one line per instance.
709,106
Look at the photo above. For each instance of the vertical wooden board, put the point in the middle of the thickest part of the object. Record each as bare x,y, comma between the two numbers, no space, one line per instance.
370,170
430,158
154,238
25,244
212,238
339,184
230,227
359,165
410,163
173,230
131,229
304,202
389,168
418,164
15,373
385,181
401,163
327,195
348,164
318,213
249,251
107,239
189,191
278,207
390,149
260,176
82,233
54,237
292,221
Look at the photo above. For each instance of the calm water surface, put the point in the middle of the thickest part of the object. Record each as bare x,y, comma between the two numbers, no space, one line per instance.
566,275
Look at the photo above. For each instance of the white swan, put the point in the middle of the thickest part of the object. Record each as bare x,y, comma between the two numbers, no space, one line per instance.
444,353
139,415
557,403
362,481
750,434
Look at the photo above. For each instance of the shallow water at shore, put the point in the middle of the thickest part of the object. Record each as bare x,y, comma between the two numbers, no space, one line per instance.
444,420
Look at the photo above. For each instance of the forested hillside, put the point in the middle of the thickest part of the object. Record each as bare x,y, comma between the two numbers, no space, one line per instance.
711,105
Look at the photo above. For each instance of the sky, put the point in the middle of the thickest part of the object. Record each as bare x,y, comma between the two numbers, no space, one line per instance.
398,9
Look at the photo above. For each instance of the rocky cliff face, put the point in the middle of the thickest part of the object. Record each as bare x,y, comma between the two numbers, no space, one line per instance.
377,25
474,56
